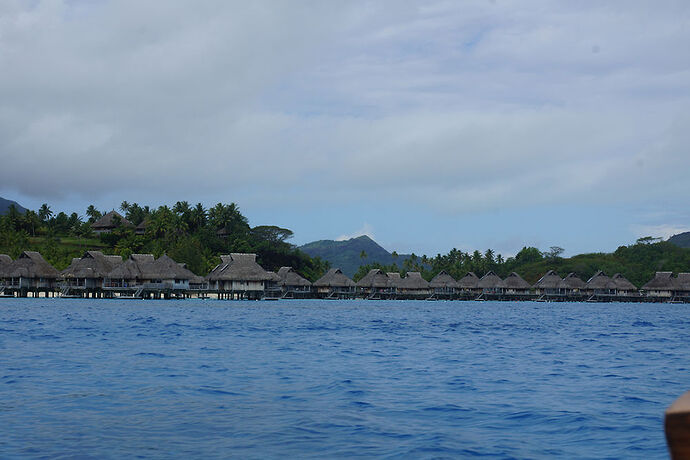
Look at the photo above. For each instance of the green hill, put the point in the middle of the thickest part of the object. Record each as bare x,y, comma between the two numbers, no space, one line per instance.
346,255
5,205
681,240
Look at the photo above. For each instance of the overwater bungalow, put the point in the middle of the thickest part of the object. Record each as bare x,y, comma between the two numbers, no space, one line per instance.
86,274
30,273
238,276
443,286
144,276
682,292
394,283
548,285
292,284
413,286
374,285
662,287
515,287
624,288
572,287
335,285
5,262
468,286
492,285
600,287
110,222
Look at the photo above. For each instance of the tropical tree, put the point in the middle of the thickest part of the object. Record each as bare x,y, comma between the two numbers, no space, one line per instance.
44,213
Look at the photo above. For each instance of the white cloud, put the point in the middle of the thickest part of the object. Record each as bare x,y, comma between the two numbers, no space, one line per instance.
366,229
454,106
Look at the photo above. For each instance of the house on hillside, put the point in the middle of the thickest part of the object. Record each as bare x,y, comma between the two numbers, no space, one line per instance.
335,285
110,222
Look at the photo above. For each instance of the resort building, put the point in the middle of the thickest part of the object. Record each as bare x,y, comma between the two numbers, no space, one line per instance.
624,288
110,222
238,276
30,273
85,275
516,287
572,286
600,285
375,284
292,285
468,286
682,292
548,285
661,287
491,285
413,286
335,285
144,276
443,286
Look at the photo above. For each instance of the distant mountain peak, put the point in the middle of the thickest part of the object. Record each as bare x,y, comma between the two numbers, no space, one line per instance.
682,240
5,206
347,254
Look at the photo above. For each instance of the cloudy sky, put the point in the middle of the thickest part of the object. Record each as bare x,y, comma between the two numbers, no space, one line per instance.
428,125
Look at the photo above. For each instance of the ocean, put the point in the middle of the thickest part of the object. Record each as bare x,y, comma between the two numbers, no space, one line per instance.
328,379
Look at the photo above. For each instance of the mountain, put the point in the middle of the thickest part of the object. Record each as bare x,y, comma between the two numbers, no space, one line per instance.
346,254
681,240
5,205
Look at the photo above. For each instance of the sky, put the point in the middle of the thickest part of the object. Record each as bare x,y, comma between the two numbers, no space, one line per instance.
426,125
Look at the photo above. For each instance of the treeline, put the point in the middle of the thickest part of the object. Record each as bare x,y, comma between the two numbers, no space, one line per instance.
192,235
637,262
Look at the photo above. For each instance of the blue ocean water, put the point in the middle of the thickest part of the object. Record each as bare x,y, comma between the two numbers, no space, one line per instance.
324,379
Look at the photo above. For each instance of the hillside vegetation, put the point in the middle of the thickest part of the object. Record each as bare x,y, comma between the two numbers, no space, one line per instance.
192,235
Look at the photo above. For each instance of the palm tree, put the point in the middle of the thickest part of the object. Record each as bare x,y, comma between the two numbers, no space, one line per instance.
124,206
93,213
44,213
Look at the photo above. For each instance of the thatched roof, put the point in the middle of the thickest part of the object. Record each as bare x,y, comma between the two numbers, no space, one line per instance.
490,281
469,281
238,267
394,279
443,280
93,264
30,264
622,283
376,278
145,267
661,281
289,277
334,278
414,280
550,280
5,262
107,222
600,281
683,282
572,281
515,281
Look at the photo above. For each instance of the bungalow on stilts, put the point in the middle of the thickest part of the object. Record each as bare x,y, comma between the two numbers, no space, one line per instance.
443,286
238,277
335,285
30,273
